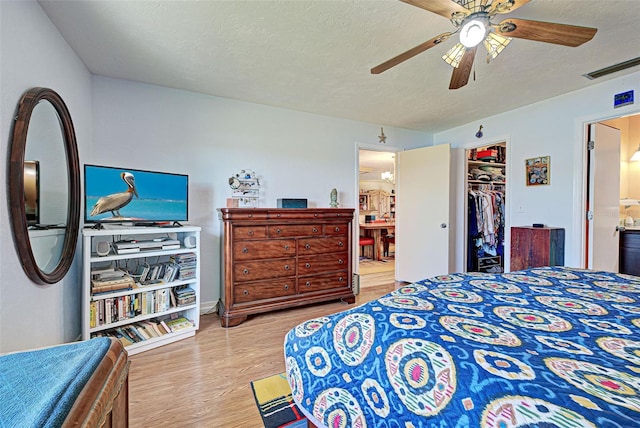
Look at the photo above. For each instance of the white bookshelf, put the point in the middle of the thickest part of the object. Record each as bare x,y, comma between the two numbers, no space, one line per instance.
93,261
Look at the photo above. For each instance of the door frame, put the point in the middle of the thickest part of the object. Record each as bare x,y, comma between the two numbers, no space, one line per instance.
356,221
581,187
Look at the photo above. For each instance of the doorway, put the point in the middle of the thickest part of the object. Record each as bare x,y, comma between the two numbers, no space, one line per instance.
376,213
612,189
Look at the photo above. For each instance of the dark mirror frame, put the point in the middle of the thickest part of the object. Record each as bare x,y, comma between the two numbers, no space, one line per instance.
19,223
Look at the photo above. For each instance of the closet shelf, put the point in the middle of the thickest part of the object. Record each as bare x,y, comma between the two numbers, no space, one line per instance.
477,162
486,182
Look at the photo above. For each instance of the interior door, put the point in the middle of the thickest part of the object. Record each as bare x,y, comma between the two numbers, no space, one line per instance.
604,194
422,219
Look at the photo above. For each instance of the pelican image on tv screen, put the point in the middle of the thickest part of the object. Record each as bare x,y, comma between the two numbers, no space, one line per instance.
131,195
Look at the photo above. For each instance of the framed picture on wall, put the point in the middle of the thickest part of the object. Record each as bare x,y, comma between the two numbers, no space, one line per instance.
538,170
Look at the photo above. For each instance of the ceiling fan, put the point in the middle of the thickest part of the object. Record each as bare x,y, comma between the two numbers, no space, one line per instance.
472,18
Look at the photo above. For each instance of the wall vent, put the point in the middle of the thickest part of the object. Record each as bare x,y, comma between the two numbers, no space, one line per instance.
613,68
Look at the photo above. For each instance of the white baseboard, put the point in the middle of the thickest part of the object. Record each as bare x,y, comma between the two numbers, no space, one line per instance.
208,307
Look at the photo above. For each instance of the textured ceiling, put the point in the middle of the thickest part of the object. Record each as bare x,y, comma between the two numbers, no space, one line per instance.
315,55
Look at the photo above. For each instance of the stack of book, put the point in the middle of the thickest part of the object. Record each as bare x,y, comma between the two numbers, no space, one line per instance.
178,324
109,279
184,296
137,332
186,265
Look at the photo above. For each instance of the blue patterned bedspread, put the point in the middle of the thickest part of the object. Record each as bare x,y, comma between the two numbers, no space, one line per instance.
546,347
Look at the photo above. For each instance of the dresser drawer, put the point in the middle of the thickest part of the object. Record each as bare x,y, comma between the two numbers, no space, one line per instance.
311,265
291,230
249,232
293,214
336,229
323,282
322,245
264,269
250,292
272,249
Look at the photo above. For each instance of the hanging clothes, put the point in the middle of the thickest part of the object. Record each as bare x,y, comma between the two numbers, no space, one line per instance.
485,224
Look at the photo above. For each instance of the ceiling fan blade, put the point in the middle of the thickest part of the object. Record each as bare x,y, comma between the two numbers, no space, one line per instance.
410,53
548,32
506,6
460,75
444,8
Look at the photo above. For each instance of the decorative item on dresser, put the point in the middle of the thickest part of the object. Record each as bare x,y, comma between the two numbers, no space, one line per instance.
536,247
279,258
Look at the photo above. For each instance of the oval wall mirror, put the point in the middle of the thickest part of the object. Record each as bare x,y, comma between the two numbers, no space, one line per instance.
44,186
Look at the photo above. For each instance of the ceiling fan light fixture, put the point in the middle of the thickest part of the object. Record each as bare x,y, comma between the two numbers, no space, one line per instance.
473,32
454,55
495,43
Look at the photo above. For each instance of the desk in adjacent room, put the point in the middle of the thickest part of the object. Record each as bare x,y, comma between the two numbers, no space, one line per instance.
375,230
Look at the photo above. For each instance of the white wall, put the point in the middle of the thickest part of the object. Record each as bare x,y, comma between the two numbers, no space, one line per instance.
554,127
34,54
295,154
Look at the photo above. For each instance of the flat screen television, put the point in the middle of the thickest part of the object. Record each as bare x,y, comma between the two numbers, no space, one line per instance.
122,195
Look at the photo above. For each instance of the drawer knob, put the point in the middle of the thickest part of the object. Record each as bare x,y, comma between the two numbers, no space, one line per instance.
286,247
251,232
315,214
341,279
286,286
314,230
340,244
246,271
308,283
340,261
245,292
278,231
250,215
286,267
307,265
278,215
245,250
337,229
307,246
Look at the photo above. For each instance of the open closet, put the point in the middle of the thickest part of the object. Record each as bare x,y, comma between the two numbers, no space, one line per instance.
486,185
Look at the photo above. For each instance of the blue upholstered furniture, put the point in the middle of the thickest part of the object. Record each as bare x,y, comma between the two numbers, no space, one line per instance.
77,384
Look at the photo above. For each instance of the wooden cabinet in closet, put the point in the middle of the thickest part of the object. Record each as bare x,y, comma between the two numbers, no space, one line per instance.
281,258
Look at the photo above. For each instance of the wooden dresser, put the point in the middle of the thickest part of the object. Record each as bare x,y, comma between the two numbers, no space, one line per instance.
536,247
281,258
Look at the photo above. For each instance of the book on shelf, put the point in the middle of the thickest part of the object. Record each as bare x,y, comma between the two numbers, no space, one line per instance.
136,332
178,324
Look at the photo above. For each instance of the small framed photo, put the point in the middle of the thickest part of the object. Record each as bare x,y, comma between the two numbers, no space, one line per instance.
538,170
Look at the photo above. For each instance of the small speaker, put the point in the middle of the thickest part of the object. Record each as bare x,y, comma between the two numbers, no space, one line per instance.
190,241
103,248
292,203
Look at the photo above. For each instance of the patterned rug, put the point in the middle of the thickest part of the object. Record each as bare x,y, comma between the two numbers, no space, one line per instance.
275,404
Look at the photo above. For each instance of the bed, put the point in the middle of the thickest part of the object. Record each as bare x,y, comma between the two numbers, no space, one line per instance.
80,384
545,347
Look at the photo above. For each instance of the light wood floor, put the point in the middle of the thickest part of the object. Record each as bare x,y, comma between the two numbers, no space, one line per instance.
204,381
